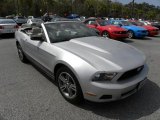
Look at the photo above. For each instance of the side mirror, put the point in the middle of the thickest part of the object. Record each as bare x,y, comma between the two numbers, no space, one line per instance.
37,37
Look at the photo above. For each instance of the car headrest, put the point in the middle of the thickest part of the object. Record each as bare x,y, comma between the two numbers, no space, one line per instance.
36,30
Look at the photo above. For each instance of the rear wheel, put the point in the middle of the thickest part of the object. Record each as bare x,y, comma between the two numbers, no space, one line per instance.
69,86
21,54
105,34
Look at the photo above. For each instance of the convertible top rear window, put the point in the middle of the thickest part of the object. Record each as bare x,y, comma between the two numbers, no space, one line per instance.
64,31
6,21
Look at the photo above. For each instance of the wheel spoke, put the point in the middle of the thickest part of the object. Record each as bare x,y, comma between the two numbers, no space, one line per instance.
70,92
72,87
63,87
62,79
67,78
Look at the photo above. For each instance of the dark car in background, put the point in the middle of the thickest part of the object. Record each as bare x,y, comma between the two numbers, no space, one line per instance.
20,20
73,16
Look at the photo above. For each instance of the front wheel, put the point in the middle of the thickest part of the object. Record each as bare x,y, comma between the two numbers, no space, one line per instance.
69,86
105,34
130,34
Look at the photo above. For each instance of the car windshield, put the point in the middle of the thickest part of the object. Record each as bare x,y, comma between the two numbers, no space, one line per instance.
103,22
140,23
37,20
7,21
126,23
64,31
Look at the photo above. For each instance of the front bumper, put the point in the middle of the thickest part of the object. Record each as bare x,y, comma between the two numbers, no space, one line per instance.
140,34
153,33
104,92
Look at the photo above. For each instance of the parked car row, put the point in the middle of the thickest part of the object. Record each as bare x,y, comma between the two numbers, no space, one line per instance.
120,29
113,28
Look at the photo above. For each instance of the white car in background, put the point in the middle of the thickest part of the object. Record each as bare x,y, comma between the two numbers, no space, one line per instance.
34,21
7,26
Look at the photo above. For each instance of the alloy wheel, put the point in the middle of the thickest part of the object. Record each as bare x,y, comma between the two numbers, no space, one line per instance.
67,85
105,34
130,34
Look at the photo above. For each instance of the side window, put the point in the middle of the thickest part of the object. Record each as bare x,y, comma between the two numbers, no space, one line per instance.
87,22
115,22
92,22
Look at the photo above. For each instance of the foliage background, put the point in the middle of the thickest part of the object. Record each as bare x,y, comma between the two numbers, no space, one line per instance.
103,8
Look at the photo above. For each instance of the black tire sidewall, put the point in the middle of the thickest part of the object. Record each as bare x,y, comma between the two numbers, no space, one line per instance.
79,96
24,60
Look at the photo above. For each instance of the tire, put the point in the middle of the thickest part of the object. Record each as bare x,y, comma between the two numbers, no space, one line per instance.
69,86
21,54
105,34
130,34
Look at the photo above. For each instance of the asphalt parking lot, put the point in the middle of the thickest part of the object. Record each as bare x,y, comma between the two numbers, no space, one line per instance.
27,94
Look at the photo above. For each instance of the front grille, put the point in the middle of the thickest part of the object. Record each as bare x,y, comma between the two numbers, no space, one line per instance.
106,97
131,73
144,31
156,30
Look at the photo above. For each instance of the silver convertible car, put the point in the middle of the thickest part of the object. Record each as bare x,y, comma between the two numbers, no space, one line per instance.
84,65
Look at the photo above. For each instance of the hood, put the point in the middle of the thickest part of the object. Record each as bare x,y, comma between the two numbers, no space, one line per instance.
104,54
149,27
113,28
133,27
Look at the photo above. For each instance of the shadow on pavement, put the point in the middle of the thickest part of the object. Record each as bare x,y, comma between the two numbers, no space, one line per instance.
143,103
127,41
44,73
157,36
147,38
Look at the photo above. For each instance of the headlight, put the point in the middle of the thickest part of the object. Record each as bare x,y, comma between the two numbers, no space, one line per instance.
104,76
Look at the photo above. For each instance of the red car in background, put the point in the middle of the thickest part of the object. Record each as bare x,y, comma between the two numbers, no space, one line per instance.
152,31
107,30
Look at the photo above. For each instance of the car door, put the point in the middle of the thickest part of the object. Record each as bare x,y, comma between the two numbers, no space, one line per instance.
45,53
30,47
